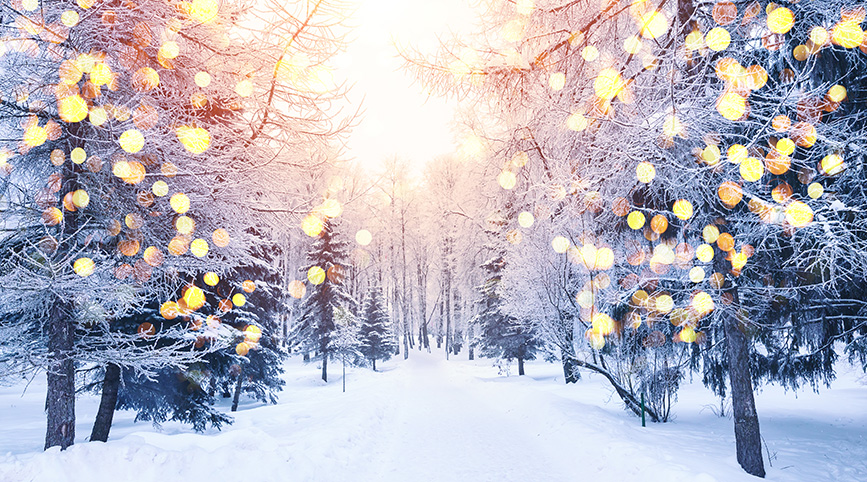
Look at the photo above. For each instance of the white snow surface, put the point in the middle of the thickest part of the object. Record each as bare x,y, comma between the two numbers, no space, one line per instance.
427,419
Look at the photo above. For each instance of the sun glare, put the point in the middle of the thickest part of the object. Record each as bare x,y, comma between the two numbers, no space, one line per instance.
399,119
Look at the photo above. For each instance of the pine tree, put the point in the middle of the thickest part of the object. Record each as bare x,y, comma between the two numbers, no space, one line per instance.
377,340
326,293
500,335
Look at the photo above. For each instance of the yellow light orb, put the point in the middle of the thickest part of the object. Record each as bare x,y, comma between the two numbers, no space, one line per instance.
815,190
653,24
704,253
560,244
507,179
645,171
525,219
252,334
316,275
731,105
799,214
702,303
718,39
696,274
211,278
98,116
710,155
169,310
312,225
72,109
831,165
242,348
194,139
557,81
202,79
131,141
78,155
785,146
837,93
194,297
244,88
632,44
694,40
752,169
590,53
160,188
608,83
80,198
153,256
204,11
363,237
185,225
577,122
664,303
248,286
35,136
781,20
635,220
169,50
710,233
69,18
83,267
848,34
819,36
682,209
180,202
101,74
199,248
687,334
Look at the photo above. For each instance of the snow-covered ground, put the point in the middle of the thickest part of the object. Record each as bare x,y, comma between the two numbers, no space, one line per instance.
426,419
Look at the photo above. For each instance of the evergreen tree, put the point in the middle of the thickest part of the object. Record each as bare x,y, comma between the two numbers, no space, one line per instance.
500,335
326,293
377,340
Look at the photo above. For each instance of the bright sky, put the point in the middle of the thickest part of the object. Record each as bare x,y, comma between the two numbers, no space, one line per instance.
398,119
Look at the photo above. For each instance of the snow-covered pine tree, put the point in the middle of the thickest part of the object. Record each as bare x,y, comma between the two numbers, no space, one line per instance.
375,333
501,336
325,293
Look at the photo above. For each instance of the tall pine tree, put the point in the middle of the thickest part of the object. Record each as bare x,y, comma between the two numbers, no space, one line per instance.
377,340
326,292
500,335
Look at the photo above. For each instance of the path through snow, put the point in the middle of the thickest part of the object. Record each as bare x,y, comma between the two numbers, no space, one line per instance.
424,419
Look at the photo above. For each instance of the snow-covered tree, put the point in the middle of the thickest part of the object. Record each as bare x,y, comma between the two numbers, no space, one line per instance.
499,335
375,331
326,292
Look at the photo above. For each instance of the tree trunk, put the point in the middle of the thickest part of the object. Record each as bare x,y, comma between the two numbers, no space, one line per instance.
237,397
107,404
344,373
306,356
325,367
520,366
374,364
60,396
748,439
570,370
570,367
628,397
470,341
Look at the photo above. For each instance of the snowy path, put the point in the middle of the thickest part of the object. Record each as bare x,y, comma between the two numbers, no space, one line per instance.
426,419
443,430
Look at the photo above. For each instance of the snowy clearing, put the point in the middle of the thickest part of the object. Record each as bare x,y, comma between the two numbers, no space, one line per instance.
429,419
